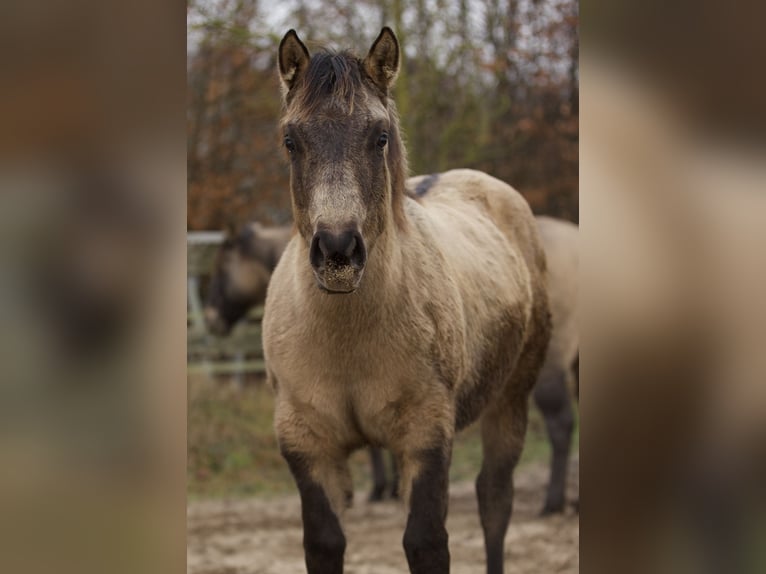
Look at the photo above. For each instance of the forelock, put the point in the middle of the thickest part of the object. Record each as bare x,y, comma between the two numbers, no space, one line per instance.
333,79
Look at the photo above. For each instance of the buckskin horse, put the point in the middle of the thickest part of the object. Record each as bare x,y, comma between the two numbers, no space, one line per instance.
392,322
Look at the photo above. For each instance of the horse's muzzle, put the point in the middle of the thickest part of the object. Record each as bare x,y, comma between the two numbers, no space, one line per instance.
338,259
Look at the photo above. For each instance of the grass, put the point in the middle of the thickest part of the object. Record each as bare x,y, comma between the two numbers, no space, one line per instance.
232,450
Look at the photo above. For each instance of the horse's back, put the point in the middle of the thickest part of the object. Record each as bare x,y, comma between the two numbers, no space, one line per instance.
470,199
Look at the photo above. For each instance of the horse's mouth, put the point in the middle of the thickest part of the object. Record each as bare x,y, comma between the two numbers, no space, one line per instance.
334,291
338,280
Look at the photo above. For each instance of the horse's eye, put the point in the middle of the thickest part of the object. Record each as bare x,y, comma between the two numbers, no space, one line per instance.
289,144
382,140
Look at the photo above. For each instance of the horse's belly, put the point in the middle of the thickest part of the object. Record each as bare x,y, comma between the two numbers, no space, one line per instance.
492,366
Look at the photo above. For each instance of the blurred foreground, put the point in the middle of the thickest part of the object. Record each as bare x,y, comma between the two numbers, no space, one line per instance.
92,251
673,398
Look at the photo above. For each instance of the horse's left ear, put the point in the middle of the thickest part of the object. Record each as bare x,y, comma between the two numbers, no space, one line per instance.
382,63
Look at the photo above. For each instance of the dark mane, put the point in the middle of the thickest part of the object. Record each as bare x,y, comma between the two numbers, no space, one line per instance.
397,164
330,76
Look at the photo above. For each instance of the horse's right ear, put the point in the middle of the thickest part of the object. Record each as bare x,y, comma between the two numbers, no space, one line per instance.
293,60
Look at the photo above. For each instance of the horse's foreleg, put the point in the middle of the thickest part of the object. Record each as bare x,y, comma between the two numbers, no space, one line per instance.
324,485
502,433
553,399
425,479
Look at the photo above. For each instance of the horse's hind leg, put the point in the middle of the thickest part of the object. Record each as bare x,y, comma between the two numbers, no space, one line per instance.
378,474
379,482
503,427
394,477
553,399
502,434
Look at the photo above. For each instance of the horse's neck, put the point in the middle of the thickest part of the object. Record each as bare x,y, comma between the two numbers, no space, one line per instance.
385,263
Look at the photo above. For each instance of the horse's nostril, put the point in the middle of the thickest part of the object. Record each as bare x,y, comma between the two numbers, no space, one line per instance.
316,252
339,249
358,253
351,247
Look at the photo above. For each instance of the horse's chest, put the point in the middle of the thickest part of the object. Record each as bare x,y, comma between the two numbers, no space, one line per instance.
359,380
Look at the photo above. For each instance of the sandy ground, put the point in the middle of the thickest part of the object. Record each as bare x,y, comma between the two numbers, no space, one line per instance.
263,536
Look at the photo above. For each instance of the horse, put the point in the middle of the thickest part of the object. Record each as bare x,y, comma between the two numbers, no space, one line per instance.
552,393
242,269
393,322
560,372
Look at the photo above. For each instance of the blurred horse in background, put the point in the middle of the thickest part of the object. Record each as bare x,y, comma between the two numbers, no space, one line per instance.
241,272
560,373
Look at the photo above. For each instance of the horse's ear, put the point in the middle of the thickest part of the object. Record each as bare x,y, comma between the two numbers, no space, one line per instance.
382,63
293,60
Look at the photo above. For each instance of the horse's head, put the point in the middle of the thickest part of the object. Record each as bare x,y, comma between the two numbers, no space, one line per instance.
240,277
347,164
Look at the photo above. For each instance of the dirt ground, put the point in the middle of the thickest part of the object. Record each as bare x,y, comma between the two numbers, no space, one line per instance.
263,536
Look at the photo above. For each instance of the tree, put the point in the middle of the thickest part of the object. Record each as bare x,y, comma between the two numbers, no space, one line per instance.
487,84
